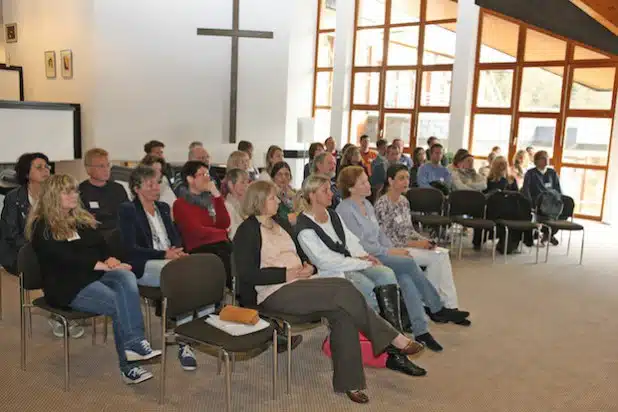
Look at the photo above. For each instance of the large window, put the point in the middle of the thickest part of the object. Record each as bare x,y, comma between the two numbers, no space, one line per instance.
324,63
537,89
403,62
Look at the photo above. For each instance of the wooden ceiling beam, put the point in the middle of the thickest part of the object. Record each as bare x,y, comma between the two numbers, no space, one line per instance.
603,11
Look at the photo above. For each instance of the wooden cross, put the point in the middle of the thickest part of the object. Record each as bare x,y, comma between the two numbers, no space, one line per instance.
235,33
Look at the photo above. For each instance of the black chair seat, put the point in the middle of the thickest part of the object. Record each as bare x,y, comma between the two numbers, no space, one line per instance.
150,292
475,223
64,312
563,225
522,225
432,220
201,331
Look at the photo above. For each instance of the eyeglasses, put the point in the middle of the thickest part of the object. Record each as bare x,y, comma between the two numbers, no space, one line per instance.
105,166
42,166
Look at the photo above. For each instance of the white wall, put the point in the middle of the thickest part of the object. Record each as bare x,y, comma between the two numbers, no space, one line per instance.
156,79
142,73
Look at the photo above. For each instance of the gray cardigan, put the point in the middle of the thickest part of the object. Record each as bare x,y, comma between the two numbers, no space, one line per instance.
366,228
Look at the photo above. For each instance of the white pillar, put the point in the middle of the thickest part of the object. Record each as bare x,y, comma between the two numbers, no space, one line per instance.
342,71
610,209
463,74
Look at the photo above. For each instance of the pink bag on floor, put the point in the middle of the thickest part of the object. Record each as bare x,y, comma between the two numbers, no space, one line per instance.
366,351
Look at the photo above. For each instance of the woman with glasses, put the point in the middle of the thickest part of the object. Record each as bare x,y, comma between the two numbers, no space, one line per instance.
159,165
201,215
79,272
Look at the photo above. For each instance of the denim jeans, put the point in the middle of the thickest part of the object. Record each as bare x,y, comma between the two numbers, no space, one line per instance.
415,289
152,273
115,294
367,279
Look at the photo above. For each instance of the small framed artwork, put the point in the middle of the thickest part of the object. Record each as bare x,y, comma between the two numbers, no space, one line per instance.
66,64
10,32
50,64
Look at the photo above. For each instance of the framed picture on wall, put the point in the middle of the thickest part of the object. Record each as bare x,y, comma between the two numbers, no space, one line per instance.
50,64
66,64
10,32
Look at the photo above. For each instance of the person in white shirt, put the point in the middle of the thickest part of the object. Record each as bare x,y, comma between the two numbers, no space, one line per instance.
237,182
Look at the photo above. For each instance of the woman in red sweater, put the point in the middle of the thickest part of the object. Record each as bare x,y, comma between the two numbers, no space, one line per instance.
201,216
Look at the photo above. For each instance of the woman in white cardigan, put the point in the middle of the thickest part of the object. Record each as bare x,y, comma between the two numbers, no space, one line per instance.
237,181
393,213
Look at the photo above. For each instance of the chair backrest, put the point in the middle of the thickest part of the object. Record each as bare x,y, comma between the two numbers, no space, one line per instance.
425,200
28,266
192,282
568,207
467,202
508,205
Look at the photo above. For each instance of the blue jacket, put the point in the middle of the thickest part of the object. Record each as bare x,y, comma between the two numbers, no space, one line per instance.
137,236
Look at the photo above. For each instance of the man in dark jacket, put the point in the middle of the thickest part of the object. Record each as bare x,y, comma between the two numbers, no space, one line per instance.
539,180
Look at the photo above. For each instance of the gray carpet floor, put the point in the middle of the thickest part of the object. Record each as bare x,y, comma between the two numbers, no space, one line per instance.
543,339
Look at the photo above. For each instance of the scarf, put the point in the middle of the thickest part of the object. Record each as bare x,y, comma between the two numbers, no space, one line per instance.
203,200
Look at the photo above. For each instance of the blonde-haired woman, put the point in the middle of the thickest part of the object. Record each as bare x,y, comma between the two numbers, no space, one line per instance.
237,182
521,164
78,271
275,274
499,177
274,155
351,157
236,160
337,251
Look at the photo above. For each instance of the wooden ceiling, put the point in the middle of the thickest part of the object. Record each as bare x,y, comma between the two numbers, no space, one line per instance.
603,11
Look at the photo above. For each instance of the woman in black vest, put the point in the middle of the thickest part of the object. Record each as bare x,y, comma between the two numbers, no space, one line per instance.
274,274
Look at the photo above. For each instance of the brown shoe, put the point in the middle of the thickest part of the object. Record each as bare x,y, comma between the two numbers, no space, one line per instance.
413,349
357,396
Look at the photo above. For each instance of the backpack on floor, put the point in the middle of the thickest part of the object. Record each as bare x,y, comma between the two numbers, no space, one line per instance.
366,351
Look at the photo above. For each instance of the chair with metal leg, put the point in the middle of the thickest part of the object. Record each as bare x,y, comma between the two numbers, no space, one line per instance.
565,222
286,324
185,288
468,209
427,207
30,279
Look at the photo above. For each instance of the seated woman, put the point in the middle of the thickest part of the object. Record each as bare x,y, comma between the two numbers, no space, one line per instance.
337,251
521,163
465,177
236,160
31,169
393,213
315,149
274,155
150,237
282,176
275,275
158,164
201,215
79,273
237,182
499,177
359,215
351,157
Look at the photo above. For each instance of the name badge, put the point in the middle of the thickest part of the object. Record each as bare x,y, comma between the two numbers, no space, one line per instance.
548,185
74,237
94,205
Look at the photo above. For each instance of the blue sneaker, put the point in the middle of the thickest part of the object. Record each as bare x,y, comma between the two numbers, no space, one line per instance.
135,375
187,358
141,351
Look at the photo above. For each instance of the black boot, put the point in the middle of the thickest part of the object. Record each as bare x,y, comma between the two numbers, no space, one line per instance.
388,301
405,317
399,362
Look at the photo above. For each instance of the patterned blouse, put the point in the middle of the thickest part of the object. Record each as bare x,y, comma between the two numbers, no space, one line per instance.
396,221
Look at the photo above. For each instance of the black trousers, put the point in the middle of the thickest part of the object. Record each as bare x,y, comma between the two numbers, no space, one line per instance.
347,312
224,251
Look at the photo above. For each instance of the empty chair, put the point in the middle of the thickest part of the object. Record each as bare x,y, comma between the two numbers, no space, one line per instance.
565,222
467,208
429,202
185,288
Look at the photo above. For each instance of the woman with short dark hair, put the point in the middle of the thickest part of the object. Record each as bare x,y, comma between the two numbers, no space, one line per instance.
160,166
201,215
282,176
